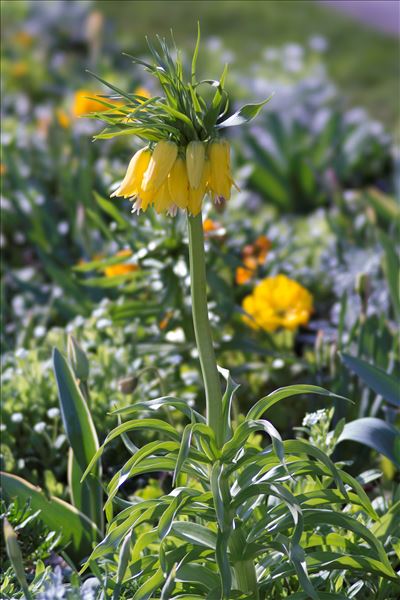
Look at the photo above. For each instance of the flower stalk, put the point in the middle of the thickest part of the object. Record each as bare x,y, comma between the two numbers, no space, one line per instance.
202,327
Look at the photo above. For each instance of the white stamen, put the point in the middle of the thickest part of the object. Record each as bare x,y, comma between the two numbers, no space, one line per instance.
172,210
137,206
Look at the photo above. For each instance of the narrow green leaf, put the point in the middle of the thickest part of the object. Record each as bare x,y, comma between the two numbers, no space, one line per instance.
195,54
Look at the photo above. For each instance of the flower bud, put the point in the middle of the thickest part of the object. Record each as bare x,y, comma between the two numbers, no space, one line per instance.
195,156
178,183
161,163
77,359
131,183
14,553
127,385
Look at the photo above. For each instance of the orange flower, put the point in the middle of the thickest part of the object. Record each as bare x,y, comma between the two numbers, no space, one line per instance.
164,322
122,268
244,274
3,169
253,255
262,245
210,225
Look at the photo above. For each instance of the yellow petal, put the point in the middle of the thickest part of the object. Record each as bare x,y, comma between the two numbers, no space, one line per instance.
160,165
178,183
195,156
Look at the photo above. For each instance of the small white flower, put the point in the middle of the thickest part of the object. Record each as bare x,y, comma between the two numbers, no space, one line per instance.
278,363
57,292
318,43
19,237
271,54
157,286
39,331
177,335
40,200
21,353
40,427
180,268
103,323
79,321
63,228
98,312
53,413
17,417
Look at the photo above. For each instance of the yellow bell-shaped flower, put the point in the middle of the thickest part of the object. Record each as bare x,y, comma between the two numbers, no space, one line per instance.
163,200
196,195
221,181
134,174
178,183
195,156
161,163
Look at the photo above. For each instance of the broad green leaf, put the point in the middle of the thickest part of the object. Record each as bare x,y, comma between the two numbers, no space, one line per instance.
183,451
14,553
81,434
111,209
154,425
304,447
146,590
265,403
76,529
157,403
231,388
379,381
199,574
222,559
385,205
317,561
391,266
375,433
235,444
388,525
165,522
85,496
195,534
244,115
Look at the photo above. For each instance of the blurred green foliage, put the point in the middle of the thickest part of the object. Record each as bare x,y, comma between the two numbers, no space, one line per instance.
363,61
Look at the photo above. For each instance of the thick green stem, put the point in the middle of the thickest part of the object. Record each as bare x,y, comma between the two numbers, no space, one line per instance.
202,327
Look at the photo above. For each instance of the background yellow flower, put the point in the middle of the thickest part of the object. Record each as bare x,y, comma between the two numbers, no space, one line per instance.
278,302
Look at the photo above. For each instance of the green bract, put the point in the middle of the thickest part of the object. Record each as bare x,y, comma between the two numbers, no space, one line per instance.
182,114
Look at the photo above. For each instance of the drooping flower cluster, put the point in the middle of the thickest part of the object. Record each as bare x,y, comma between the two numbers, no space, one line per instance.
185,157
171,177
278,302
